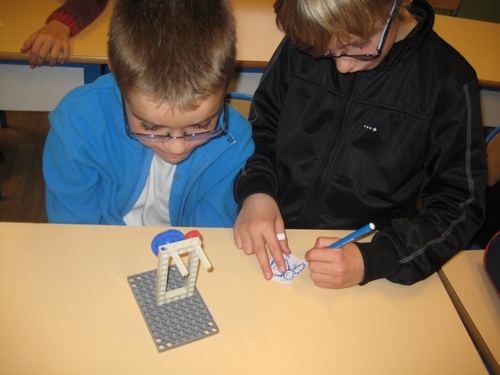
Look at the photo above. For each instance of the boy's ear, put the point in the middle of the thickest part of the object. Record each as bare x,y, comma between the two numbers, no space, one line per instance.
110,67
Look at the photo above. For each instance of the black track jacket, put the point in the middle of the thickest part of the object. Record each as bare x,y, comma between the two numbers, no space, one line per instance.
341,150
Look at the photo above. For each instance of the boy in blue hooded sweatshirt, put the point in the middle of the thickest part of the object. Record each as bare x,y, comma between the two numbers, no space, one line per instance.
153,143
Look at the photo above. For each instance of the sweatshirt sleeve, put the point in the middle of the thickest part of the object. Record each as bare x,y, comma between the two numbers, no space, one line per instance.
259,173
77,14
408,250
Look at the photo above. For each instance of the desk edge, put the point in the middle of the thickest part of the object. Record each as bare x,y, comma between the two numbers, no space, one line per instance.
469,324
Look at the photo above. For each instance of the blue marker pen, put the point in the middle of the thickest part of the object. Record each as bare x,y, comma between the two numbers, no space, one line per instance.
353,236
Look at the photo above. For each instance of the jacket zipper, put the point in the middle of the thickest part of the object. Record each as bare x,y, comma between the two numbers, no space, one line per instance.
314,203
192,179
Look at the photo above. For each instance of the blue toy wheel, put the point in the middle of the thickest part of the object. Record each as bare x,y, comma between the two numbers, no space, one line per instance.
166,237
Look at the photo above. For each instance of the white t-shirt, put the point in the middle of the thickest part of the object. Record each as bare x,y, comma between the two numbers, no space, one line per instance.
152,206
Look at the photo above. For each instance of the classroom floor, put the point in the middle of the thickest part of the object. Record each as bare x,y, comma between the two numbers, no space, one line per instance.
21,180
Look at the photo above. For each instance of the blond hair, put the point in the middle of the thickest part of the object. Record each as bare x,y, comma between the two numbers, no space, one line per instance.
310,24
180,51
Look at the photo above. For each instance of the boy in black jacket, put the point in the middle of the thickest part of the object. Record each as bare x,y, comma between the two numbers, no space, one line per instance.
360,104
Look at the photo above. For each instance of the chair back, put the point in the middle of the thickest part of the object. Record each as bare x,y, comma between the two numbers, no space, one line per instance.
491,262
493,156
241,102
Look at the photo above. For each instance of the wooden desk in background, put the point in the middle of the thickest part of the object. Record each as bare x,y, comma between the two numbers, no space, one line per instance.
41,89
257,35
476,302
256,31
67,308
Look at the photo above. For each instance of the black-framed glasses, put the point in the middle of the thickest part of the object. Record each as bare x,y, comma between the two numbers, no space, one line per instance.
369,56
143,137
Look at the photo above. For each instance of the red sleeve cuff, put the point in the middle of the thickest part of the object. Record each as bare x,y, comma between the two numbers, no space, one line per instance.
67,20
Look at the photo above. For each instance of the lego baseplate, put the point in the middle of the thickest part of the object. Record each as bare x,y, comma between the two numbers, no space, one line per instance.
175,323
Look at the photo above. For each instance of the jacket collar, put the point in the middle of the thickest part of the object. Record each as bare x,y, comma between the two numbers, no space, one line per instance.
424,13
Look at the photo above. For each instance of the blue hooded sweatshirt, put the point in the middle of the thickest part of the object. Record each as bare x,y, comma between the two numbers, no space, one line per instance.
94,172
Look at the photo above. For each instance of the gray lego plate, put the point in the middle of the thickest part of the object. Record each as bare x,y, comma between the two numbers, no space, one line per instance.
176,323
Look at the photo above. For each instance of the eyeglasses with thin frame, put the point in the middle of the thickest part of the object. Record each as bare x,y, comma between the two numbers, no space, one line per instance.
369,56
143,137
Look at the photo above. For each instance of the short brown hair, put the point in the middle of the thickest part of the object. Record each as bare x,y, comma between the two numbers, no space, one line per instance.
180,51
310,24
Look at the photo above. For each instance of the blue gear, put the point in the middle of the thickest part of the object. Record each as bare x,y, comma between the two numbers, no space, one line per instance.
166,237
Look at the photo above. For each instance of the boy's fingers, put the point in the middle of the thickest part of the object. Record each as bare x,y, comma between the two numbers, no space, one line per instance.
263,260
275,249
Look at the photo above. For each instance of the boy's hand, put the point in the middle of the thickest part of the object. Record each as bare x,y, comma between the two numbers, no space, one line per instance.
49,41
257,225
335,268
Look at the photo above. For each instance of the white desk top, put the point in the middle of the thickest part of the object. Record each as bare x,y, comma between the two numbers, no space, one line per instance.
476,302
67,308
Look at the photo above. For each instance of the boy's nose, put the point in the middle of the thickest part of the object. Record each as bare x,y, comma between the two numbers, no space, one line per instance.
345,65
176,146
